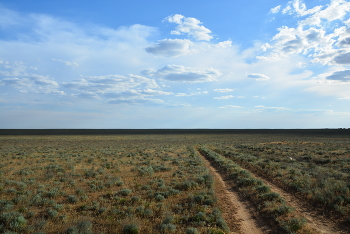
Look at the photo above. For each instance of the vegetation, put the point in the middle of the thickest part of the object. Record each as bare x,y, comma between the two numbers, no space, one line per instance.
132,183
96,184
269,203
317,172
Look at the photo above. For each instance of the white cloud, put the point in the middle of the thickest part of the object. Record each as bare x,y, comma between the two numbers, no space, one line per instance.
224,44
170,48
230,106
190,94
224,97
183,74
190,26
155,92
20,76
67,63
115,86
257,76
316,36
135,100
299,8
345,98
224,90
272,108
275,9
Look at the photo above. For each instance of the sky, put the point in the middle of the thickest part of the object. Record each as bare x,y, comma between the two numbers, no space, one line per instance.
175,64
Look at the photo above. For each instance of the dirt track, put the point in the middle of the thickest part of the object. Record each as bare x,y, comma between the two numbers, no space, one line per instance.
315,221
238,214
250,223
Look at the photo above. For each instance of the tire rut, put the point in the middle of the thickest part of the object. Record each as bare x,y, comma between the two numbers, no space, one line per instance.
320,224
235,206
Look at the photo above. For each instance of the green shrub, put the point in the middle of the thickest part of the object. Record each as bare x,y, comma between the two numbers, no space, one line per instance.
159,198
168,227
72,199
131,229
192,230
124,192
263,189
293,225
52,213
13,221
271,196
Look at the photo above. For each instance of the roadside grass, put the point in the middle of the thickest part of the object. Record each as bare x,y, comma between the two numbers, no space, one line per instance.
268,203
316,172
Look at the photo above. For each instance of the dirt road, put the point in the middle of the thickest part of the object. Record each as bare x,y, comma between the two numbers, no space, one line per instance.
238,214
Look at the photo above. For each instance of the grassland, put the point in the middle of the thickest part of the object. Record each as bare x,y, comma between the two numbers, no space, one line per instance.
156,182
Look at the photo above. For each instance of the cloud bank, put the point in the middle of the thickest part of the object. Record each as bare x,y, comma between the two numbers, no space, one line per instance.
179,73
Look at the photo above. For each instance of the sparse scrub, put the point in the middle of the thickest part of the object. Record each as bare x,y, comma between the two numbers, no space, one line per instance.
267,202
53,182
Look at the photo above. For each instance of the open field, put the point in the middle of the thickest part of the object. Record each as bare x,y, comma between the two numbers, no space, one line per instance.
174,181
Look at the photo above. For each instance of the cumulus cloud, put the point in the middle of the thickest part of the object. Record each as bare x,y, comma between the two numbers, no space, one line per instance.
223,90
345,42
20,76
183,74
316,36
223,44
343,76
257,76
117,89
170,48
67,63
190,26
224,97
110,84
342,58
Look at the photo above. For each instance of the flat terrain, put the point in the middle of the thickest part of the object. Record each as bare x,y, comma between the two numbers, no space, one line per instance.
161,181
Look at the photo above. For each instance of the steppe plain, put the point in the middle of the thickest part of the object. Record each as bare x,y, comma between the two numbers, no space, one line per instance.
175,181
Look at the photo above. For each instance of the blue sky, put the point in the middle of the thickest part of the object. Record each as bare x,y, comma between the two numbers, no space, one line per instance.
175,64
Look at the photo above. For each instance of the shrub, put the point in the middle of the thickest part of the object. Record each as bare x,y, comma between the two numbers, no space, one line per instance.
168,227
263,189
271,196
101,210
135,199
293,225
215,231
72,199
148,213
192,231
125,192
81,227
14,221
159,198
131,229
283,210
168,219
52,213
